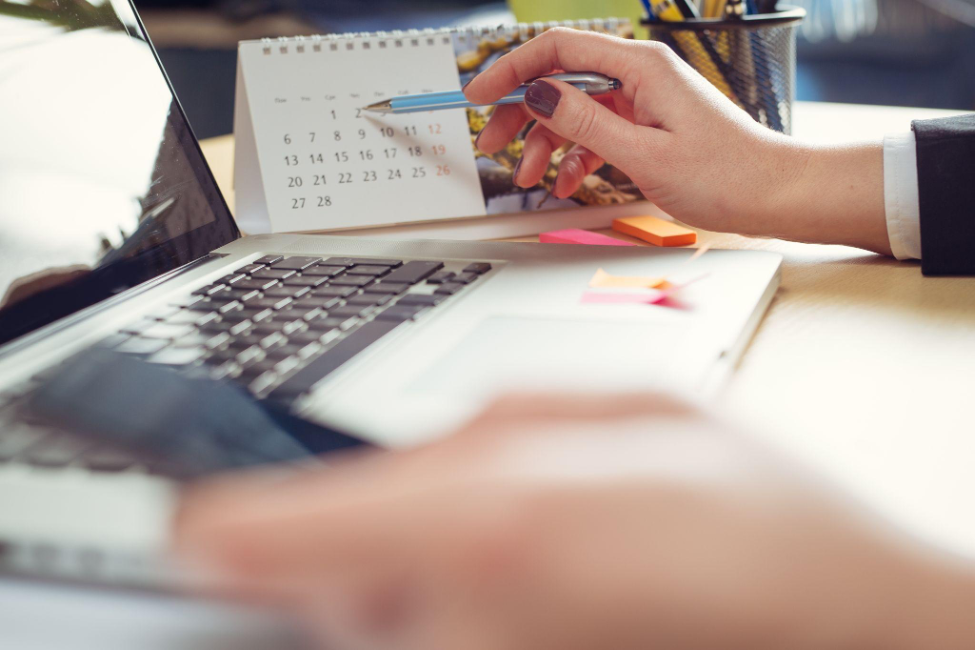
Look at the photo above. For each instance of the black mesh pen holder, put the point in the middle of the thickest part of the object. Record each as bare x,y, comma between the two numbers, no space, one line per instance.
752,60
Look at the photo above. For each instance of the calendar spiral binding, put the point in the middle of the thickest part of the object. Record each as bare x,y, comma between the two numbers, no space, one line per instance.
420,37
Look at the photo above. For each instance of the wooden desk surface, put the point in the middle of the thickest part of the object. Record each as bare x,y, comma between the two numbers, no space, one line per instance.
862,366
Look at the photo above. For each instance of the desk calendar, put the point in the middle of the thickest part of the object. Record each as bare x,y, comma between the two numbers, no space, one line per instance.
308,159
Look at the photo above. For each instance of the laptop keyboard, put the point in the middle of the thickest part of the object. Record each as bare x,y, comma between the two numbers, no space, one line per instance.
276,326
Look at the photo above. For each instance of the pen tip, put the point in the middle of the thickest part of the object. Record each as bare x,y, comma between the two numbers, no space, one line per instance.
615,84
378,107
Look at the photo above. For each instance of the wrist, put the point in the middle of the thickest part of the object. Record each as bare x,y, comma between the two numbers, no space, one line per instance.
830,195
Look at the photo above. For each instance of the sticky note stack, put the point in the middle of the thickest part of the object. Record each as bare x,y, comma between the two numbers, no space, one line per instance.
655,231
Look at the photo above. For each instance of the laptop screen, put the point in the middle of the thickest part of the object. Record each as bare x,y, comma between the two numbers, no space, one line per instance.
102,185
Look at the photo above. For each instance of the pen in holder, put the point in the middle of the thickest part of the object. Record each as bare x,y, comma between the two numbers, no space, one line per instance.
752,59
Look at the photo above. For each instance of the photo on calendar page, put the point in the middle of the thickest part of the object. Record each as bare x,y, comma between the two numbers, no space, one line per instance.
606,186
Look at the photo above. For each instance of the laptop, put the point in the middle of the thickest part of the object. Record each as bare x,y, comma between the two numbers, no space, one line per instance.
113,233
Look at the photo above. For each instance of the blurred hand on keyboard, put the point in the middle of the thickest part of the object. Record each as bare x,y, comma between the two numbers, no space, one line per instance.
574,522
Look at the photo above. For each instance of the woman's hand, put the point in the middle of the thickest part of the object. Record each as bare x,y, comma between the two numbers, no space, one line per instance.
688,148
572,523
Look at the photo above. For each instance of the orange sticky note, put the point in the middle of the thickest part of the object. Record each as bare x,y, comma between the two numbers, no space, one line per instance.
655,231
604,279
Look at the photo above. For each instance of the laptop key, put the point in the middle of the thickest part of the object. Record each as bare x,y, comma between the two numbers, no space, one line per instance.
295,349
399,314
369,299
254,370
413,272
341,323
348,310
295,263
332,359
287,292
224,325
306,313
270,303
351,280
286,328
230,305
313,302
440,277
350,261
335,292
365,269
294,312
420,299
273,274
273,340
322,270
253,315
250,268
478,268
287,365
306,337
387,287
306,280
203,307
241,295
268,259
258,284
210,289
449,288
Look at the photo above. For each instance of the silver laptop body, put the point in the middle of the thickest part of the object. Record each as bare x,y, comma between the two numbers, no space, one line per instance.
113,233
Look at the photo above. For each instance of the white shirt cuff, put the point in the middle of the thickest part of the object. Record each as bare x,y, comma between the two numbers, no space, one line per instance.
901,195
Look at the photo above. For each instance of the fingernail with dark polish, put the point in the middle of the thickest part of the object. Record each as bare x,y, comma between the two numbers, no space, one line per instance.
515,171
542,97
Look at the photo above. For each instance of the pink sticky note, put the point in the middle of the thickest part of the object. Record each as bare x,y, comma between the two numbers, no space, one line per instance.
649,297
578,236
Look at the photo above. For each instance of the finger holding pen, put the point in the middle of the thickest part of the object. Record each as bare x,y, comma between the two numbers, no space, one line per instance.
669,125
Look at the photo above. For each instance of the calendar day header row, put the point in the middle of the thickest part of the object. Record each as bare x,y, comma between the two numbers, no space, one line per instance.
376,94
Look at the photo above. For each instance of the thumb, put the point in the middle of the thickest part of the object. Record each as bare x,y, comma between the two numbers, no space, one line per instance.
574,115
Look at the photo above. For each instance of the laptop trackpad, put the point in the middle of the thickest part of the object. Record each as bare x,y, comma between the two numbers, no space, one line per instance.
506,354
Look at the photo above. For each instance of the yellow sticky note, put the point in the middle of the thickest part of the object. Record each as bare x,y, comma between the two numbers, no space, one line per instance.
604,279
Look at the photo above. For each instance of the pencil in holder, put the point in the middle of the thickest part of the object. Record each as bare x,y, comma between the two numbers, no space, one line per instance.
752,60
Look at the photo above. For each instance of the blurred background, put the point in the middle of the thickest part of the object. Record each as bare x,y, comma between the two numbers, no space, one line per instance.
895,52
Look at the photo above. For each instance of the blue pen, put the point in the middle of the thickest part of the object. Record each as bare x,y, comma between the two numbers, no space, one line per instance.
591,83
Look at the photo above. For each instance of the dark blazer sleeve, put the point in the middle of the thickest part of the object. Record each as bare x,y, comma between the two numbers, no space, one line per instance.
945,171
